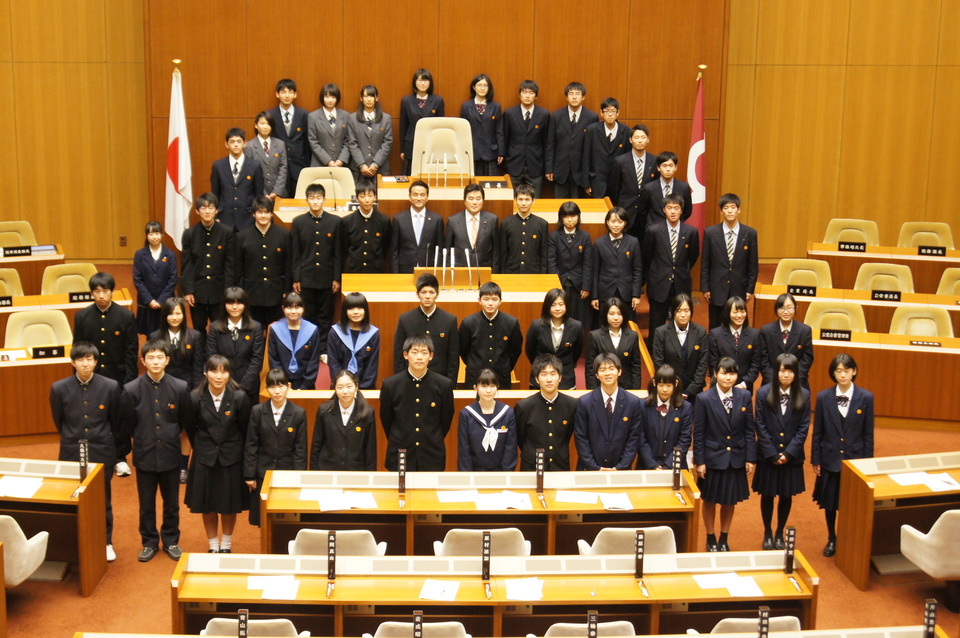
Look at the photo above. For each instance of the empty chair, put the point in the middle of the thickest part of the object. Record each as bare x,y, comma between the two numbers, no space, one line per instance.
937,553
921,321
430,630
17,234
508,541
884,277
31,328
11,280
913,234
949,282
337,183
64,278
803,272
861,231
350,542
835,315
21,556
442,144
750,625
270,627
578,630
622,540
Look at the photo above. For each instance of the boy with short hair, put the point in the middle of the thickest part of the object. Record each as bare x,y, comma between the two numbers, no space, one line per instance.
525,129
490,339
236,180
657,190
730,259
474,231
436,323
670,250
292,130
366,233
208,269
568,128
629,173
416,233
605,140
523,237
264,263
545,419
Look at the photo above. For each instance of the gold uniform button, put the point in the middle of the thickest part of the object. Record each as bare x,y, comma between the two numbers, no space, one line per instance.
417,429
728,438
418,400
550,434
728,449
417,415
781,434
417,443
781,445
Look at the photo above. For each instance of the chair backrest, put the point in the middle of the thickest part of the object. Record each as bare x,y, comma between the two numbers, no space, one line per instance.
864,231
749,625
18,233
803,272
436,137
351,542
337,182
835,315
945,532
63,278
578,630
37,328
921,321
621,540
11,278
949,282
392,629
508,541
21,556
872,276
269,627
913,234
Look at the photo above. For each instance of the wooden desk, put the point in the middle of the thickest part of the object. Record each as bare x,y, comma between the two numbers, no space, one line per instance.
926,270
77,522
393,197
31,267
552,528
30,412
121,297
368,591
873,507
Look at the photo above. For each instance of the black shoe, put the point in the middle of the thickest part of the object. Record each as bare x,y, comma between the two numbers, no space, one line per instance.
225,551
767,543
146,554
173,551
830,549
712,546
723,546
778,543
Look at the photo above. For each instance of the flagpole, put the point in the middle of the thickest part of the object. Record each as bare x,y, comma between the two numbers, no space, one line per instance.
179,194
696,159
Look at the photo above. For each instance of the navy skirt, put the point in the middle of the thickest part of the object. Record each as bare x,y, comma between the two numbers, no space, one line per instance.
778,480
826,490
216,490
724,487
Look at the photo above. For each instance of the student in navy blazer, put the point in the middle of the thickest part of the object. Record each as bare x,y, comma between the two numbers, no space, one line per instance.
842,429
292,131
570,256
344,430
797,341
188,354
487,430
486,126
783,419
721,278
656,190
667,270
554,321
525,129
689,359
624,189
236,336
155,278
565,140
617,265
406,250
724,450
627,347
421,103
236,192
608,427
599,150
667,420
327,131
735,338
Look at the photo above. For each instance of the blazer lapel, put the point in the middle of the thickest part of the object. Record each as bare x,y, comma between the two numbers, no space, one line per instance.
720,411
601,413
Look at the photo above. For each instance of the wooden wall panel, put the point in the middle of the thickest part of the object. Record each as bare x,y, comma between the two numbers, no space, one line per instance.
738,129
6,46
9,162
894,32
59,31
808,32
948,44
127,167
124,23
943,191
742,40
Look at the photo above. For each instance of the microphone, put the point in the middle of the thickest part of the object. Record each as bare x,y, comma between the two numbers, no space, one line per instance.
335,198
456,158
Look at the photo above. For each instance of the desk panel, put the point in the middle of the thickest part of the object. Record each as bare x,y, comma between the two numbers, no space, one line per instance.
30,412
927,270
31,267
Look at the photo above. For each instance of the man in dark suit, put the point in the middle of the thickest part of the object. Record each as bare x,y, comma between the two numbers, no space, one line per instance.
208,263
567,131
264,263
236,180
670,250
416,238
629,173
605,140
525,129
730,261
292,131
608,427
657,190
545,419
475,231
490,339
436,323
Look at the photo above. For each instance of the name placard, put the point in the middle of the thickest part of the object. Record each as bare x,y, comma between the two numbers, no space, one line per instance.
6,301
539,466
884,295
802,291
932,251
17,251
77,297
835,335
852,247
929,618
928,344
84,448
48,352
495,184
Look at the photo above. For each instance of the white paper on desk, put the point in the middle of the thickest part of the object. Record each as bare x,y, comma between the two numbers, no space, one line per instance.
910,478
275,587
503,501
745,586
389,180
576,496
316,495
524,588
15,355
20,486
361,500
715,581
434,589
517,500
457,496
941,482
619,501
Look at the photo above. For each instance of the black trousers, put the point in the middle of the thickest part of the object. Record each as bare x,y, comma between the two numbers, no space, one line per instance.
567,190
265,315
716,315
202,314
168,483
254,512
318,308
108,492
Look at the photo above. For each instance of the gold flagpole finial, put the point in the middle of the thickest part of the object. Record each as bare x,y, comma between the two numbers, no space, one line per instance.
702,67
176,60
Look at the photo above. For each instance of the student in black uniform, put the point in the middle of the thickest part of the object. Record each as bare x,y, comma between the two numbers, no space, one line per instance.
215,487
264,263
154,276
783,418
354,344
294,345
667,419
682,345
366,233
570,256
436,323
276,438
239,338
486,126
344,430
735,338
87,406
557,334
422,102
545,419
787,335
523,237
208,254
615,337
490,338
617,265
427,396
487,430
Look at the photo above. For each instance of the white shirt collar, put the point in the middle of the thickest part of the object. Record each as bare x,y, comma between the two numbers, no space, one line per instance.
280,409
611,396
231,325
724,396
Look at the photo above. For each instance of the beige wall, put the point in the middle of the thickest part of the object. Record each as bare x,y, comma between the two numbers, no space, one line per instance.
841,108
72,92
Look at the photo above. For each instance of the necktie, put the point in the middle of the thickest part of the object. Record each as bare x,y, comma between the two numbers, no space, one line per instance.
573,118
784,400
610,137
736,339
662,409
417,227
786,335
481,108
421,103
332,120
266,147
673,244
473,231
730,246
843,401
639,169
236,169
286,118
609,405
526,116
616,245
666,189
728,404
235,334
175,341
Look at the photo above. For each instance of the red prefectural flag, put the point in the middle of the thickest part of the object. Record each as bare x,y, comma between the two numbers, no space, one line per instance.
179,192
697,163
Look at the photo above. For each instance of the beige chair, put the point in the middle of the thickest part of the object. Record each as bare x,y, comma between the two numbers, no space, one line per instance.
949,282
64,278
337,182
873,276
579,630
921,321
622,540
31,328
508,541
937,553
750,625
913,234
442,145
803,272
350,542
270,627
835,315
11,280
430,630
862,231
17,234
21,556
